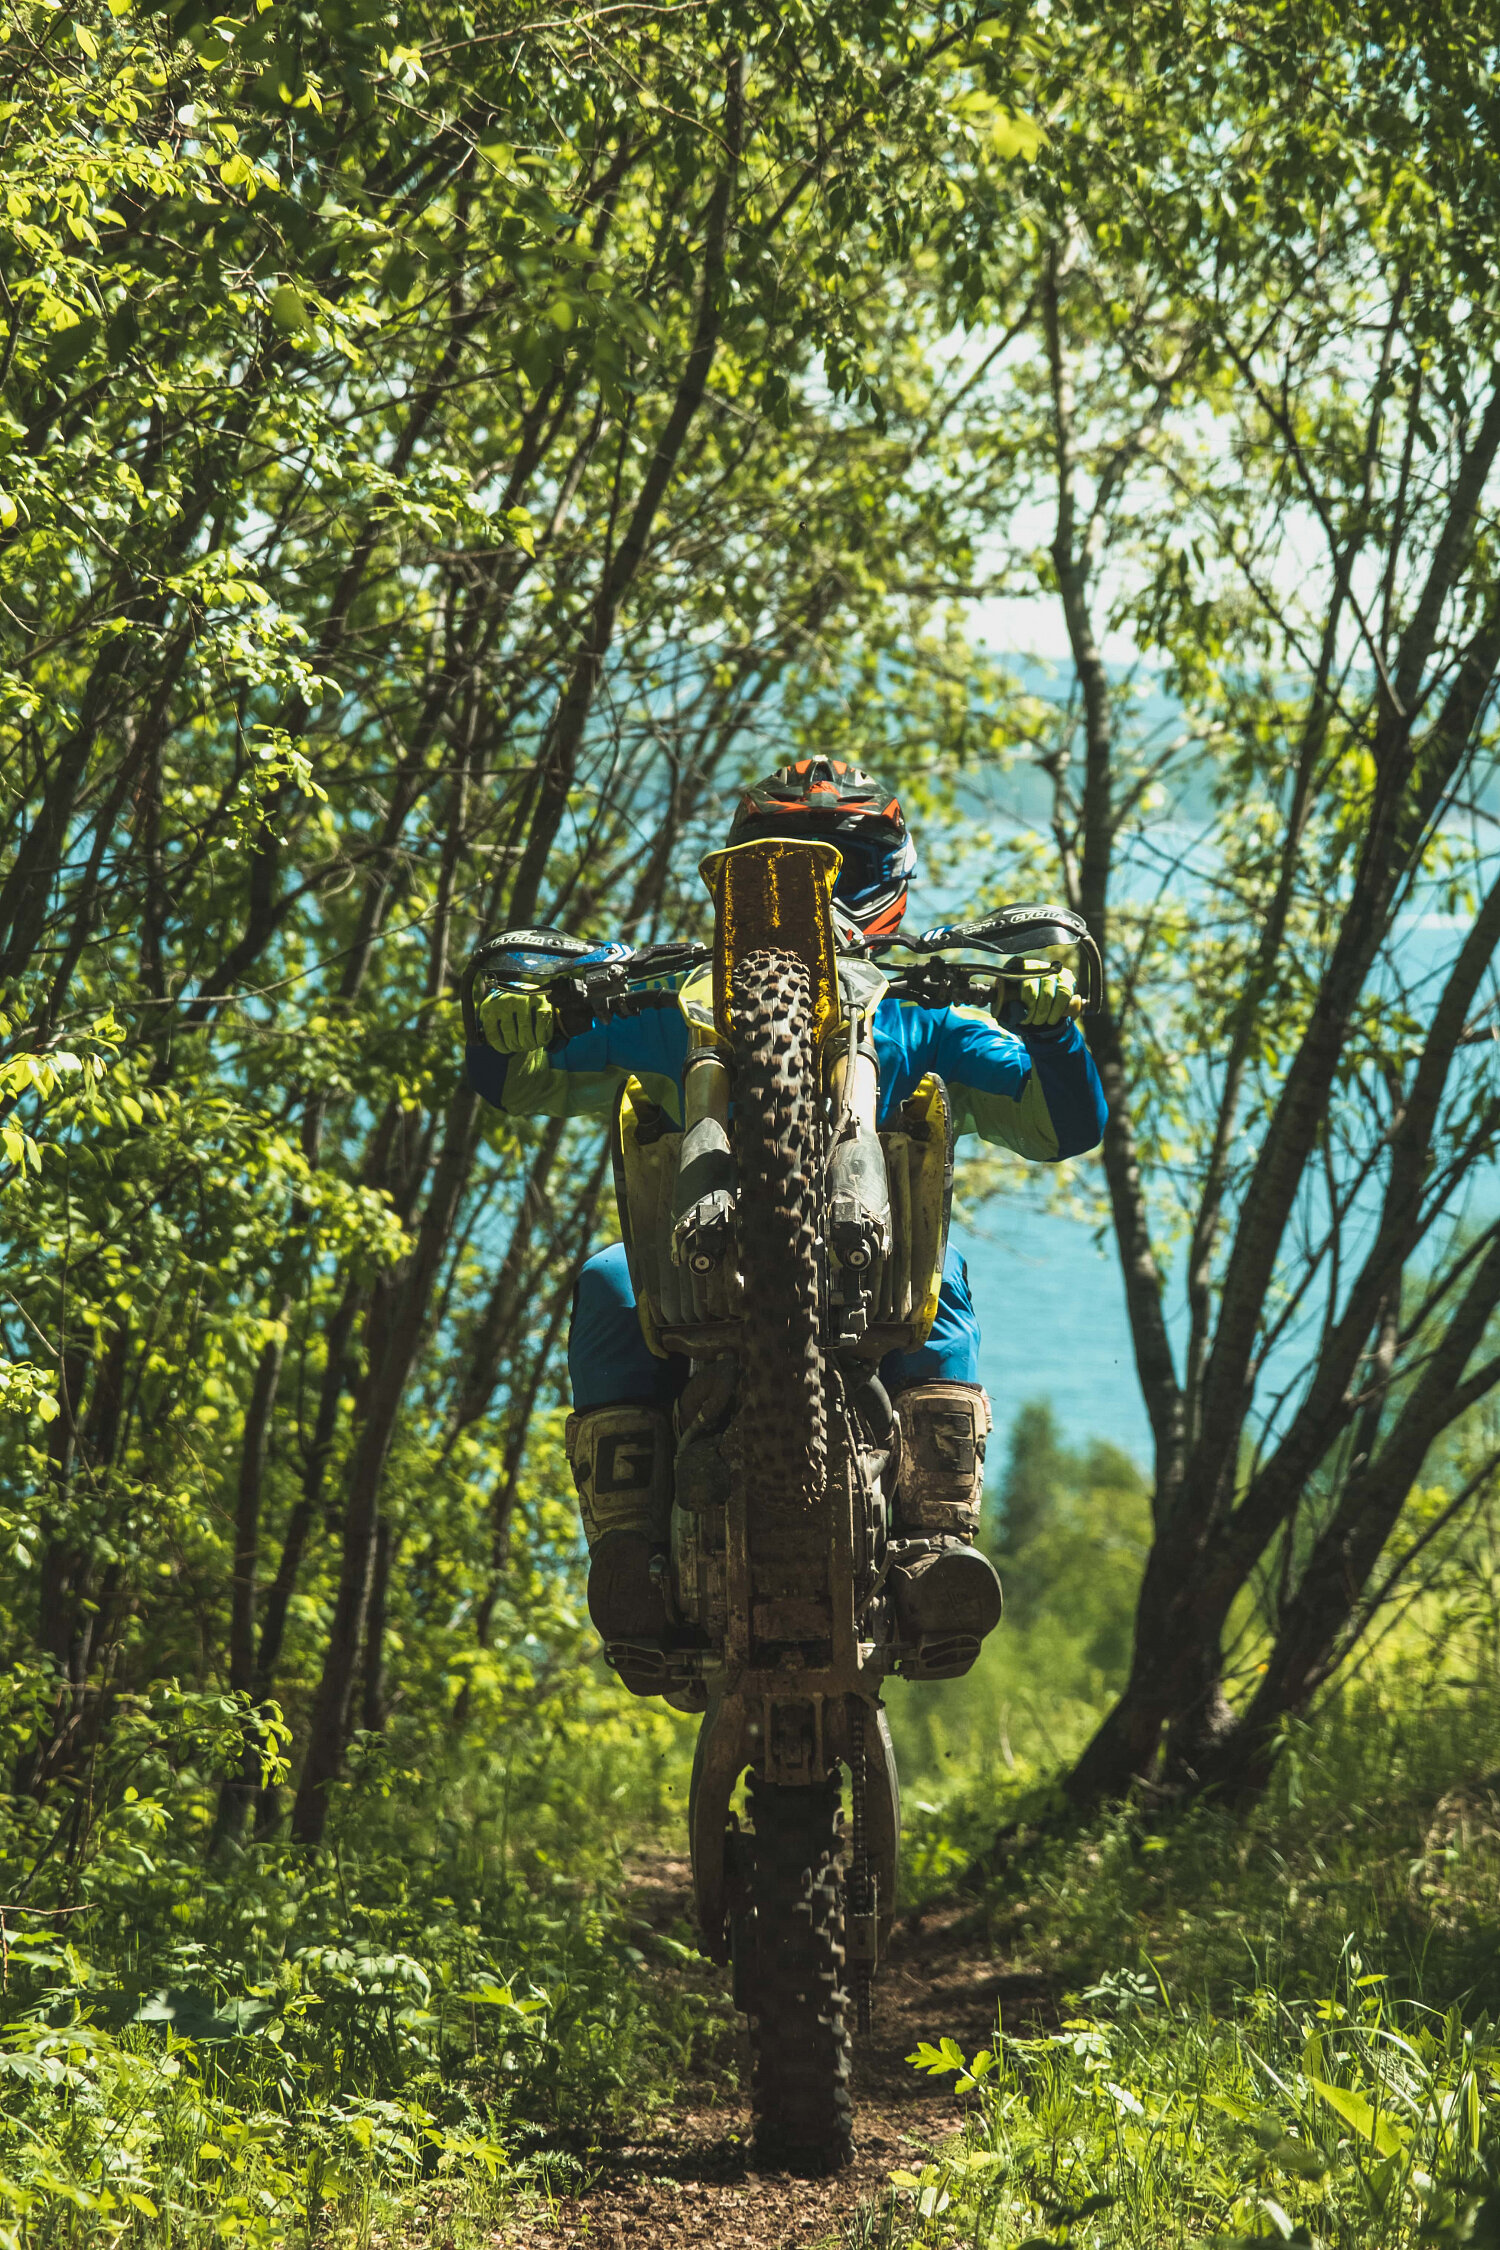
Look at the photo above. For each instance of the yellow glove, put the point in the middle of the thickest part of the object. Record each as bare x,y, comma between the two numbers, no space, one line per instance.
1043,1001
517,1023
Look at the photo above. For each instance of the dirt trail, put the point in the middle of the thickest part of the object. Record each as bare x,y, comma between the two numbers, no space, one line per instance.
689,2185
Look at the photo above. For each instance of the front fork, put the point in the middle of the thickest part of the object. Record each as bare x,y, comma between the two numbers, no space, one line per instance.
859,1188
798,1740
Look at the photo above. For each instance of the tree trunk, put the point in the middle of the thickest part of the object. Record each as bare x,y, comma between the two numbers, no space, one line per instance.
237,1791
299,1525
1174,1675
374,1687
397,1330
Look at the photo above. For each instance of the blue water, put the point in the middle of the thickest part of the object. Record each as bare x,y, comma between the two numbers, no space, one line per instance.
1050,1298
1051,1309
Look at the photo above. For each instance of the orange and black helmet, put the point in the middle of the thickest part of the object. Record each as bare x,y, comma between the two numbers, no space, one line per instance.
849,808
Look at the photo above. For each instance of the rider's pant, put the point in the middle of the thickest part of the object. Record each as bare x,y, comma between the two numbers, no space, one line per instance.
609,1361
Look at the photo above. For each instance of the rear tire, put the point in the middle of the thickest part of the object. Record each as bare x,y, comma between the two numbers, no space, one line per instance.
794,1982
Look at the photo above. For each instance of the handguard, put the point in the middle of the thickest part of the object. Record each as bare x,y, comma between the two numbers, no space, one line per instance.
1013,943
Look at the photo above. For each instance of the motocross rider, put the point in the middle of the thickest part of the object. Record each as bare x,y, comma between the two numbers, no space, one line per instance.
1027,1082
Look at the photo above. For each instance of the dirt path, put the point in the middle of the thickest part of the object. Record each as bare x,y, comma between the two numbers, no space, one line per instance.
689,2186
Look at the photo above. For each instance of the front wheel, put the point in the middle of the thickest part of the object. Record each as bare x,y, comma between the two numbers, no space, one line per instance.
781,1428
789,1977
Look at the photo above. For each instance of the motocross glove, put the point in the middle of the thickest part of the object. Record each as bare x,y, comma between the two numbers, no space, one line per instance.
517,1023
1042,1003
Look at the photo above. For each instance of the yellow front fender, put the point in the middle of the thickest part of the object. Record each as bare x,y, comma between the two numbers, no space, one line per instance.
776,894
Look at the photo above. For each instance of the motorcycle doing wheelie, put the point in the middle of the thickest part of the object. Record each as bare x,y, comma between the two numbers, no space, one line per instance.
784,1244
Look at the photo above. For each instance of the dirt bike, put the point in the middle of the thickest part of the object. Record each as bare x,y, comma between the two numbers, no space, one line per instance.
784,1244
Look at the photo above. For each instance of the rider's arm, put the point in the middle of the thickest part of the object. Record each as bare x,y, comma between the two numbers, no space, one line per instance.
580,1077
1059,1108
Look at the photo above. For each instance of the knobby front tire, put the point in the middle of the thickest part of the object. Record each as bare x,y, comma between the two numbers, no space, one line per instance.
790,1945
781,1435
798,2002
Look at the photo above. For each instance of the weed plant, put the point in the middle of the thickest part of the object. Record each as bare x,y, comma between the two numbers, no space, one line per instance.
1068,1528
444,2010
1282,2026
1347,2123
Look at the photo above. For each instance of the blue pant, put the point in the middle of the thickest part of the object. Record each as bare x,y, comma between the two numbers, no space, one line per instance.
608,1359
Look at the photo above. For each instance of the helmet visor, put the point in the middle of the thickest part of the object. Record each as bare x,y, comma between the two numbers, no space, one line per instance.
873,867
875,863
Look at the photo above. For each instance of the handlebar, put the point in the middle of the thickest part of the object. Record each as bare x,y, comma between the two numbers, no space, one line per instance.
614,979
949,984
581,1002
613,989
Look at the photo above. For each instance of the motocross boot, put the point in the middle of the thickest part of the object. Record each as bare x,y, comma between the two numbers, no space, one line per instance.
946,1594
621,1458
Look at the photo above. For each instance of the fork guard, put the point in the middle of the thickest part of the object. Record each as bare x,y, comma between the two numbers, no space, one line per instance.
726,1746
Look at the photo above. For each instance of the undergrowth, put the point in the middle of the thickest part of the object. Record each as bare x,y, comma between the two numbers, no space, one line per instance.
1346,2123
264,2045
1279,2028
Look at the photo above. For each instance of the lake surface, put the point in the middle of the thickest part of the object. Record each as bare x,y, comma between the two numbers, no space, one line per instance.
1051,1309
1051,1302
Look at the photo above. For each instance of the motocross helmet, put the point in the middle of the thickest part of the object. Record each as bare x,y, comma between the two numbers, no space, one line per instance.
849,809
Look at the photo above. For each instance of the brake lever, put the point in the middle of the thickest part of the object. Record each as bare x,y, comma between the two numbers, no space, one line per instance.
937,983
580,1002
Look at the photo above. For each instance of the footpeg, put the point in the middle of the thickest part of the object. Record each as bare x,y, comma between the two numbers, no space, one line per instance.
657,1667
644,1666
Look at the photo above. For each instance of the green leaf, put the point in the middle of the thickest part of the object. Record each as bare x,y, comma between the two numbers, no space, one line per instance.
1016,136
198,2016
1289,2155
1357,2113
400,275
288,313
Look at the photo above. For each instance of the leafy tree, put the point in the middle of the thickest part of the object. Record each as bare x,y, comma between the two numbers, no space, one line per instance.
1070,1531
438,457
1250,392
1035,1466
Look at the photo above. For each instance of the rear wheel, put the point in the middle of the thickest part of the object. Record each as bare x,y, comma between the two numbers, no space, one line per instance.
791,1978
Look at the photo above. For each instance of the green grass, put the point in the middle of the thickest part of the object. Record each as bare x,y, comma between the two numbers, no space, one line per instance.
1280,2029
439,2015
1353,2121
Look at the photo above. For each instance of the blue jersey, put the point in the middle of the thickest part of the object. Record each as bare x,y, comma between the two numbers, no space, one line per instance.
1038,1094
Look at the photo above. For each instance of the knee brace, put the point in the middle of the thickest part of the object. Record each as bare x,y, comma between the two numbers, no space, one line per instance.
941,1482
621,1459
